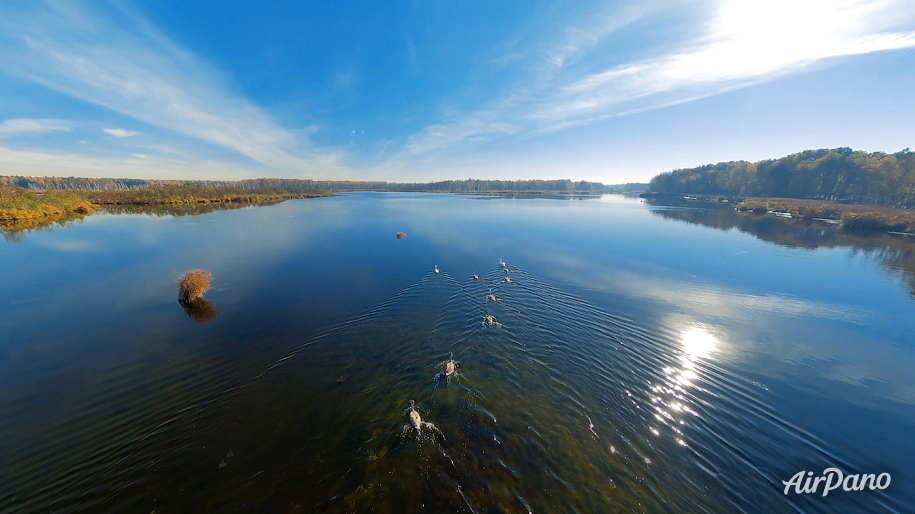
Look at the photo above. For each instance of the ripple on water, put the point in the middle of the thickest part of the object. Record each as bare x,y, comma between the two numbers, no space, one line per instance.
559,408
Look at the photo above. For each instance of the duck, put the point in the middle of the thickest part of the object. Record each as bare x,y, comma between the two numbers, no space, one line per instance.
415,420
506,280
436,269
475,277
489,320
490,297
501,264
449,366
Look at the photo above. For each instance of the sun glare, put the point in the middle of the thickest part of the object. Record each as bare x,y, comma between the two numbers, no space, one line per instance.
751,37
698,343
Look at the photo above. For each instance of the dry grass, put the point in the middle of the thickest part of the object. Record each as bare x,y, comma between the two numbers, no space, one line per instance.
193,284
853,216
23,208
401,235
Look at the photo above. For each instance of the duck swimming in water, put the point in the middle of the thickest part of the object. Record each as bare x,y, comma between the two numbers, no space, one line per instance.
489,320
490,297
475,277
415,420
507,280
501,264
449,366
436,269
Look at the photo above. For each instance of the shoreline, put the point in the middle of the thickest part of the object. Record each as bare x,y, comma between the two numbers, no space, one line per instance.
22,209
870,218
851,216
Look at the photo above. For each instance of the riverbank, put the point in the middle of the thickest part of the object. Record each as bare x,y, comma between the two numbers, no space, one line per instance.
848,216
190,194
23,208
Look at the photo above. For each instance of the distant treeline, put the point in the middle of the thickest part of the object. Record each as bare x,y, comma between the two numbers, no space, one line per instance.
131,184
470,185
840,175
628,187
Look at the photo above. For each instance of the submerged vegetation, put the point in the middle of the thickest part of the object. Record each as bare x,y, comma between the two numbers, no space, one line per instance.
192,285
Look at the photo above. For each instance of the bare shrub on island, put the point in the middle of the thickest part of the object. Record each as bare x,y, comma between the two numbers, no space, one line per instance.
192,285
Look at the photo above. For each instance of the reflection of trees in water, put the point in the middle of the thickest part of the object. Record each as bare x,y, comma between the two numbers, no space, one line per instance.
895,254
172,210
15,231
200,310
13,235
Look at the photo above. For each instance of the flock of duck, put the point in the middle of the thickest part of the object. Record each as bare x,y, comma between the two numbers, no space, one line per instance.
415,420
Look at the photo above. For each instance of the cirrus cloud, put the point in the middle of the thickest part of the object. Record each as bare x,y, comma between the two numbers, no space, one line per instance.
114,57
745,42
22,126
119,132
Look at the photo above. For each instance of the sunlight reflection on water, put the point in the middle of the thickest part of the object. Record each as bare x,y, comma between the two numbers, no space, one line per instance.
628,374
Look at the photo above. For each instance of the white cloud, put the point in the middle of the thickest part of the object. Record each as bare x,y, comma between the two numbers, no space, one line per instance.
699,300
137,165
121,132
749,41
69,245
746,42
128,66
581,38
40,163
22,126
479,126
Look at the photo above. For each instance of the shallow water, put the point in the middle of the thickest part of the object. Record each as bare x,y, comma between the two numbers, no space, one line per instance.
637,363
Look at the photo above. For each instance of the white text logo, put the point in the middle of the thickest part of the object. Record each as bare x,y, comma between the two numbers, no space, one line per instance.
834,478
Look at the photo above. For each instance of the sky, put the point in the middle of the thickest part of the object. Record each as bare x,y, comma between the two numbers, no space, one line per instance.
419,91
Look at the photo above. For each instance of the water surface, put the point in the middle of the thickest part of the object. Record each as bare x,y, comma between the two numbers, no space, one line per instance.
637,364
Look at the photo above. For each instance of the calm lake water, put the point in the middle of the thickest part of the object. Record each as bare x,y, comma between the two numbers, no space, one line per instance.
644,358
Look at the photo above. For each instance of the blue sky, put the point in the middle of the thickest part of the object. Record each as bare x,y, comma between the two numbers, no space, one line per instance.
419,91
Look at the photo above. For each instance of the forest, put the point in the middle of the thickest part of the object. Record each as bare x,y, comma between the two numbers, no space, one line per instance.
839,175
469,185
